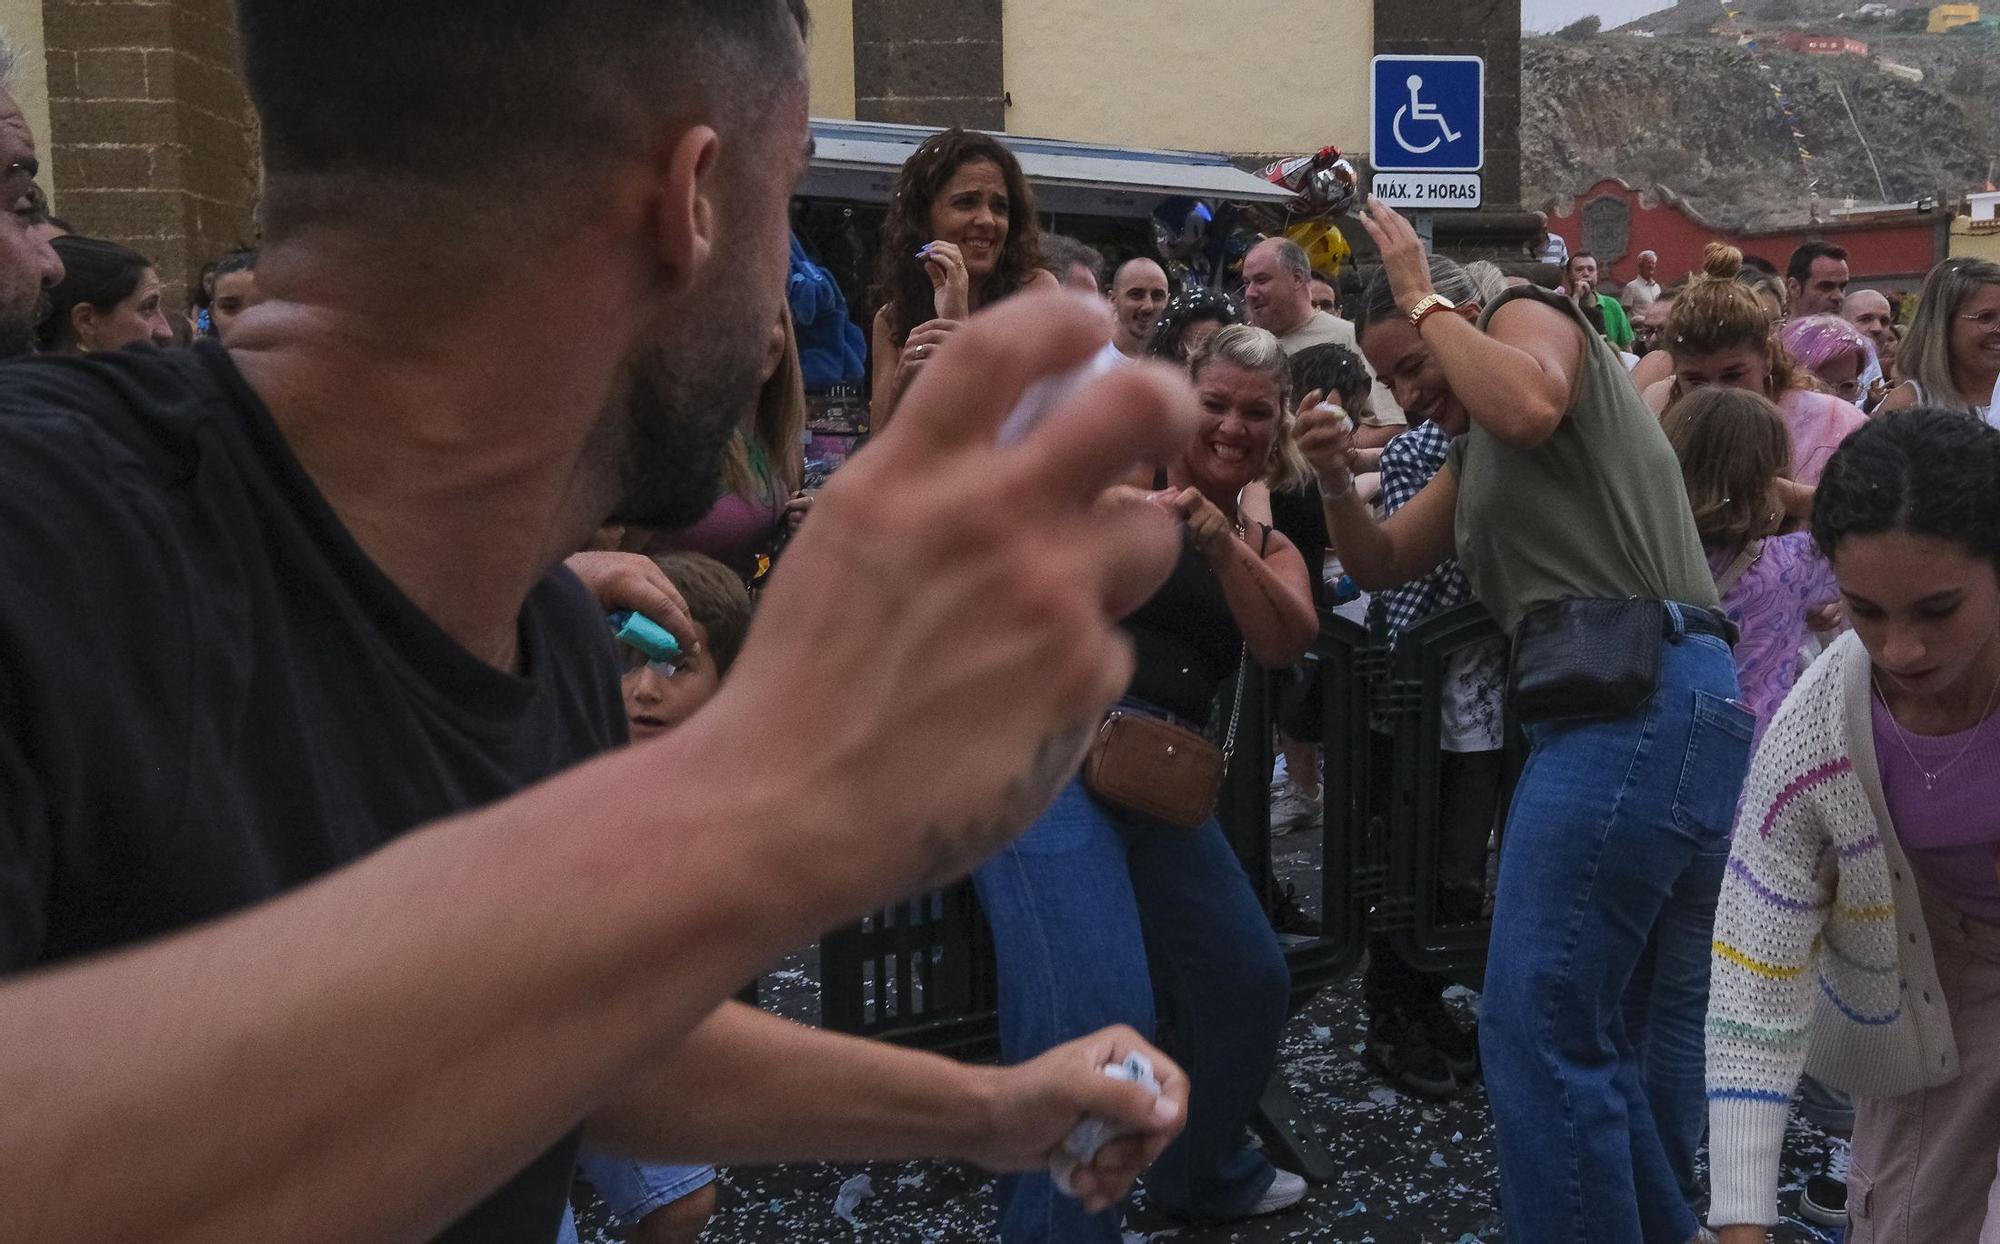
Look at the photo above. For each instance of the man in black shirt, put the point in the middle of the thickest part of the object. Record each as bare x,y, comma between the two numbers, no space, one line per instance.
323,922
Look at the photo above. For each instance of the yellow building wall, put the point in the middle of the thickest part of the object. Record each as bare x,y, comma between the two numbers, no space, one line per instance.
1947,16
1168,73
1970,241
22,20
831,46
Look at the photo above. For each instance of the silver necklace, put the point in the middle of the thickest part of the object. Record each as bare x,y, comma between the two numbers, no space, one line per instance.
1972,736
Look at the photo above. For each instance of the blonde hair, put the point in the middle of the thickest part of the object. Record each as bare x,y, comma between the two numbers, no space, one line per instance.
1718,311
1255,350
1925,353
777,428
1733,447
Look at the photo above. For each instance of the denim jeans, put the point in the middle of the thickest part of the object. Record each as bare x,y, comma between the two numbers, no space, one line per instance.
1666,1008
1609,848
631,1190
1089,910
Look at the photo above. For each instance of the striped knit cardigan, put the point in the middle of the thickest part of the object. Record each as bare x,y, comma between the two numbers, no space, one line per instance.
1821,958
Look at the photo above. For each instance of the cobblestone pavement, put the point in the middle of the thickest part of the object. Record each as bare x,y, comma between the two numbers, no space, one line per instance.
1409,1171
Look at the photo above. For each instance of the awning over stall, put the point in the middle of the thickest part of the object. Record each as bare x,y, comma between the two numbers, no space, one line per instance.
860,159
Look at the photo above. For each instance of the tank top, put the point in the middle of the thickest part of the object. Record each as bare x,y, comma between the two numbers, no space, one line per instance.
1186,639
1982,413
1596,511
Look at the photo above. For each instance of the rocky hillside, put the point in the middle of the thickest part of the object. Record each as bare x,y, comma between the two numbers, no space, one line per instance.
1695,114
1694,17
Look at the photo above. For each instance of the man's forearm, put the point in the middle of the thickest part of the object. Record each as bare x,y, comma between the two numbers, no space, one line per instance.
747,1087
370,1056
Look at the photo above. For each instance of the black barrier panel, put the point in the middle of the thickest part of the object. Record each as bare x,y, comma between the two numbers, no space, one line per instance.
1349,878
1446,810
920,973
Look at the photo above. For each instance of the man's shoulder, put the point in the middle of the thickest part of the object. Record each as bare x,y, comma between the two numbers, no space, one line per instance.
1320,329
132,403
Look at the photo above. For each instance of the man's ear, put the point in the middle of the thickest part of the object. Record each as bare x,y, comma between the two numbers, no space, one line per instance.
687,205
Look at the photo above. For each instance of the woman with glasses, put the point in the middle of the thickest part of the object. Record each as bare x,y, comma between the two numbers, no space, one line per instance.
1833,350
1951,358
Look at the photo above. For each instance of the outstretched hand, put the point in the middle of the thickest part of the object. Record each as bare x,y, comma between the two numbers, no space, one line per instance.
1036,1104
942,637
1403,256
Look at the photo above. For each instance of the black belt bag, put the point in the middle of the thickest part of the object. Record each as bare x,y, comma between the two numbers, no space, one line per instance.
1582,659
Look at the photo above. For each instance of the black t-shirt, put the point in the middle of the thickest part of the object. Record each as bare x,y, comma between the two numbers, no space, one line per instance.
209,695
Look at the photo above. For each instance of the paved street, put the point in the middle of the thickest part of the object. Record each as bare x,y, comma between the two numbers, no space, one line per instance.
1410,1172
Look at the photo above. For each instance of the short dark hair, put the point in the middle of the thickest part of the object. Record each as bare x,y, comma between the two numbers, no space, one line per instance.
1800,267
242,259
95,271
1927,471
514,97
1333,370
716,598
1573,257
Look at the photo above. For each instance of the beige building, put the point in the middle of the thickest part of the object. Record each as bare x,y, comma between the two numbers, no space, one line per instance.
1976,234
1249,78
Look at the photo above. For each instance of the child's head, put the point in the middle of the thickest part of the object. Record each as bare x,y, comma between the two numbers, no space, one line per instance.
655,699
1335,371
1733,447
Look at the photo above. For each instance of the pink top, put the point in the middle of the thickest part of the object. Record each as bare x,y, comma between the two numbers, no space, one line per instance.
735,532
1818,423
1768,604
1950,831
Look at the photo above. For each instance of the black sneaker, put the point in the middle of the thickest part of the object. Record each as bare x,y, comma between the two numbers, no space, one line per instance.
1401,1050
1824,1200
1457,1045
1289,917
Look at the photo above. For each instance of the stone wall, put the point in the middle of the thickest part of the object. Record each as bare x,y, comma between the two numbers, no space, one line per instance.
151,135
919,62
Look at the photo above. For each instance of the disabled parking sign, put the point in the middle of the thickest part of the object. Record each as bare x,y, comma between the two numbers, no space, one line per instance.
1429,114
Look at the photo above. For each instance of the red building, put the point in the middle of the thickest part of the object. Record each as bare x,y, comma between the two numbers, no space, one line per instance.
1887,250
1818,45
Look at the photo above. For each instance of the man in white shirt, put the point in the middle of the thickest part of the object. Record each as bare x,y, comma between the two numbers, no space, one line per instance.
1642,291
1138,295
1549,247
1277,295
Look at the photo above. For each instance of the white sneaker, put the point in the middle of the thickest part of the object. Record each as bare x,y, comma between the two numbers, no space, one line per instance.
1285,1191
1293,809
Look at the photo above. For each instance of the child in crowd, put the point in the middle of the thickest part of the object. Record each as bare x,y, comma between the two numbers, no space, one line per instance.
1734,449
670,1204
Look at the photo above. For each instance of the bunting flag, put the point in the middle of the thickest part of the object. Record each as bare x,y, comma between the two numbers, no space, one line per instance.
1794,124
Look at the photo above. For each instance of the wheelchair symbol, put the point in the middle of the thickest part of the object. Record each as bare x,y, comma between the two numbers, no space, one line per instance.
1418,110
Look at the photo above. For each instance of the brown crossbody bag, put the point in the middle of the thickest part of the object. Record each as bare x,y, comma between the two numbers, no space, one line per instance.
1158,771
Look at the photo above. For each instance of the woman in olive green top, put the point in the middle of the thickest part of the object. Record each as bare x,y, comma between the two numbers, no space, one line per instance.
1562,501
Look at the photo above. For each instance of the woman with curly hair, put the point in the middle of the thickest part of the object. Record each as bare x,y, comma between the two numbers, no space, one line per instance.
1858,936
960,235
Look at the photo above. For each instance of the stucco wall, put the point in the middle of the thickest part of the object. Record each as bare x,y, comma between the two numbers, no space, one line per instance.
1250,76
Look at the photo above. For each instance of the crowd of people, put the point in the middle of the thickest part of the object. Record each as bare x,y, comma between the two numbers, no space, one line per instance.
409,750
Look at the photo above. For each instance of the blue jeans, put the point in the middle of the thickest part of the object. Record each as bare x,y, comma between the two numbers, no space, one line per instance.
1609,849
1088,910
631,1190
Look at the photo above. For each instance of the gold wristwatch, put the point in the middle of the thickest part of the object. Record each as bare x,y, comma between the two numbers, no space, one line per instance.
1428,306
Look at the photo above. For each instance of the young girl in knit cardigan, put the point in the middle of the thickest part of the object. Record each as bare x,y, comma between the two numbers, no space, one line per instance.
1858,935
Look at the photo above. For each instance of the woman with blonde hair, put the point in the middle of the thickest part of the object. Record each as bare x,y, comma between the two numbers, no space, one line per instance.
1951,357
1720,333
1103,897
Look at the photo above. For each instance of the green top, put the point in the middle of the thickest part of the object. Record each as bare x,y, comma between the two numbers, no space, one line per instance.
1617,324
1596,511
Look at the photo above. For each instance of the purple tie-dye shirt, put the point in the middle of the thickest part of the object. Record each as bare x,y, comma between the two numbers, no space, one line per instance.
1769,604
